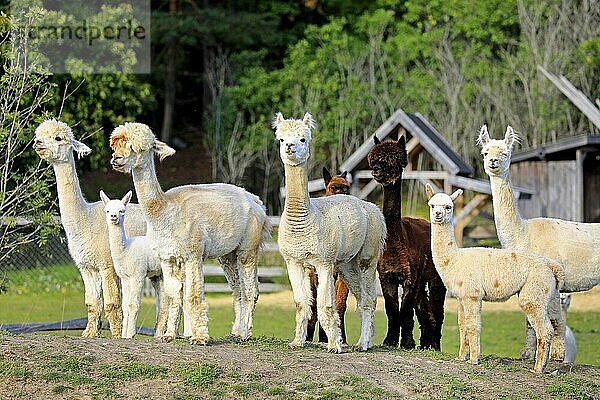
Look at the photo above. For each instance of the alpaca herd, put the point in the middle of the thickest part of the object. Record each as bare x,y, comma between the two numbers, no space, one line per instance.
331,245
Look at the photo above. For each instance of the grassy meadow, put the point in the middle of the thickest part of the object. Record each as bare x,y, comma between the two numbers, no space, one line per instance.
57,294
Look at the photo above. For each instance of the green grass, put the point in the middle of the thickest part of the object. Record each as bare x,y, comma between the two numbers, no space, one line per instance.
502,331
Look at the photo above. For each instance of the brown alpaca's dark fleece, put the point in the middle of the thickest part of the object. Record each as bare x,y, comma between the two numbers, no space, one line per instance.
407,259
333,185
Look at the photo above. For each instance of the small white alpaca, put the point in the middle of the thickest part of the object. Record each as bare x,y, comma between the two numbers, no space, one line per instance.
335,233
87,235
135,259
570,344
477,274
575,244
190,223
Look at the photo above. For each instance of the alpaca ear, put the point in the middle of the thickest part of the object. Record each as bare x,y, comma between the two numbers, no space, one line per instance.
163,150
455,195
484,136
402,141
309,120
277,120
104,197
510,137
326,176
376,139
429,191
126,198
344,174
81,149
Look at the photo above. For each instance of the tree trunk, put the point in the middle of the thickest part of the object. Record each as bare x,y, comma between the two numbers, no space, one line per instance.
170,83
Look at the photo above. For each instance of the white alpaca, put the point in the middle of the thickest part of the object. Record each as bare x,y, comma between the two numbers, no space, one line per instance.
325,234
477,274
576,245
190,223
570,344
134,259
87,234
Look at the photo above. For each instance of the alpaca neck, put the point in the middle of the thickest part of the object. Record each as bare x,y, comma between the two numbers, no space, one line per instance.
509,223
297,201
150,195
117,238
71,202
443,243
392,205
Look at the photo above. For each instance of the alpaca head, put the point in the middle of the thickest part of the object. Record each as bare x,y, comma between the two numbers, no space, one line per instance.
131,142
54,142
294,137
565,301
115,209
387,160
335,184
441,205
496,152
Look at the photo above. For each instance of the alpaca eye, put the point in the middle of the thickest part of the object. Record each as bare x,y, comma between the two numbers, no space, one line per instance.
448,207
58,138
281,140
485,154
303,140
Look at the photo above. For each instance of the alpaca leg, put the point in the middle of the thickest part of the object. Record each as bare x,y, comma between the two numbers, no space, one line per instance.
437,298
312,322
368,302
425,318
392,309
136,285
407,322
126,300
462,332
472,318
194,282
538,317
248,261
326,312
297,277
558,348
111,288
173,285
528,350
161,307
341,303
229,264
93,300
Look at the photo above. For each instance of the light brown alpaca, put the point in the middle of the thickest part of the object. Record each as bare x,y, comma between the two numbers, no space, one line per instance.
479,274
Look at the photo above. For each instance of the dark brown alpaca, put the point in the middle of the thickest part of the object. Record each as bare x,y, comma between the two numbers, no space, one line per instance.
333,185
406,259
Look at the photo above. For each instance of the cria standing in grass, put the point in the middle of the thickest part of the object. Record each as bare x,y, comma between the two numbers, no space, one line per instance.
476,274
135,259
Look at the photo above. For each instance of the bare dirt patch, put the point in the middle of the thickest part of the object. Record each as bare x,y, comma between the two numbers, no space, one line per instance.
47,366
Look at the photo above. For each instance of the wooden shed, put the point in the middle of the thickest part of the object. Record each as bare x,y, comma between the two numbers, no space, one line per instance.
565,177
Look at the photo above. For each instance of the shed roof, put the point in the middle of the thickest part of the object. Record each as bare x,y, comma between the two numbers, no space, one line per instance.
563,149
427,135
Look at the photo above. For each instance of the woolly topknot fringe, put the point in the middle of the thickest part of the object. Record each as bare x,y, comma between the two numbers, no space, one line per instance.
133,135
52,126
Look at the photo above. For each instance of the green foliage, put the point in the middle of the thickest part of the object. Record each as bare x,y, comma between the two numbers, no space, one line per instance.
133,370
199,375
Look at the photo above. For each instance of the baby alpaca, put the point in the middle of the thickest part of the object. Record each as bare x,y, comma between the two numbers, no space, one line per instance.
134,259
477,274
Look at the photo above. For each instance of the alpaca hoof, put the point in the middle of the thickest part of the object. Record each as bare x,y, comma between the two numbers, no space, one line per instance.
527,354
390,342
89,333
408,344
294,344
200,340
557,354
460,358
473,362
334,348
360,346
167,338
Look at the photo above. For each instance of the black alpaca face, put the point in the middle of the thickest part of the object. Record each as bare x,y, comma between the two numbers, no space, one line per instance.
387,161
